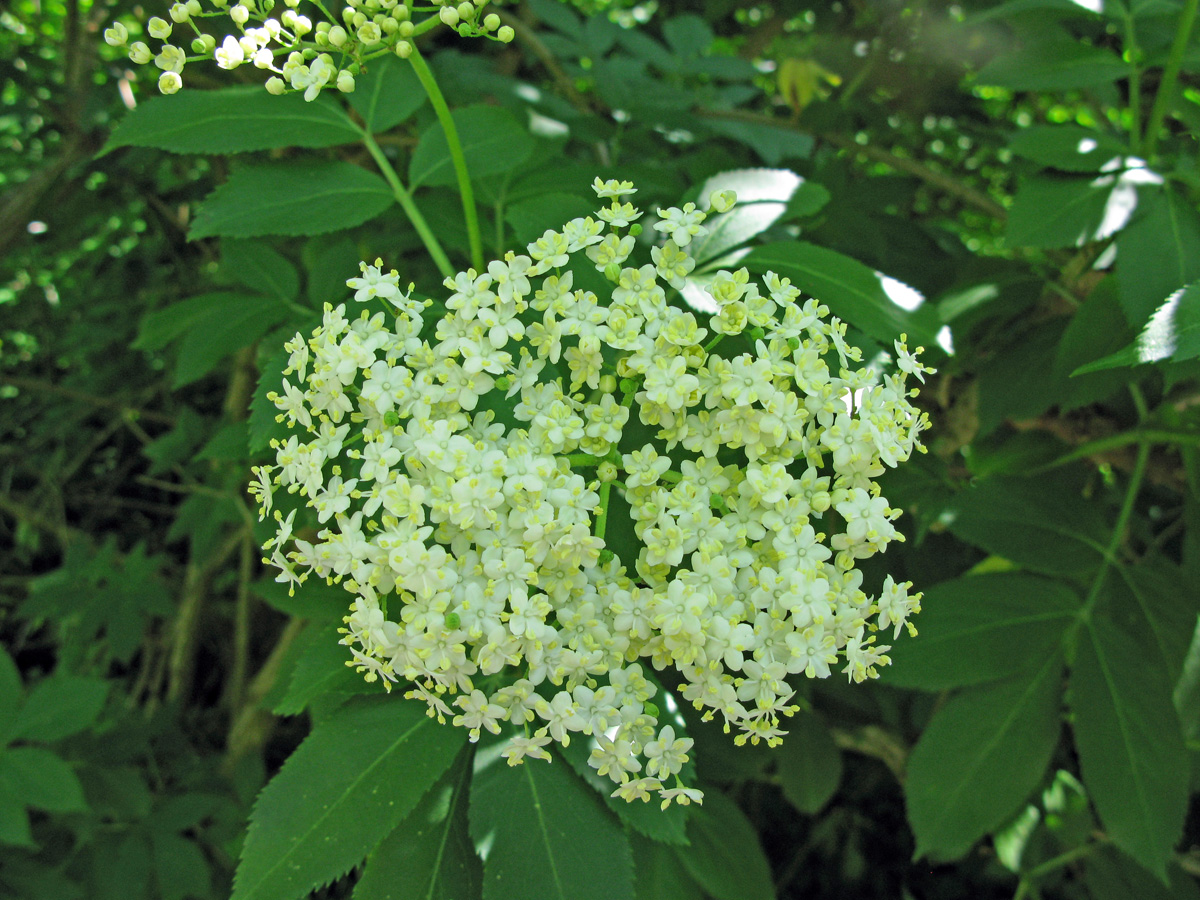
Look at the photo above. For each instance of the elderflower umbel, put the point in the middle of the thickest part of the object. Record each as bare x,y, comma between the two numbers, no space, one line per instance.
463,469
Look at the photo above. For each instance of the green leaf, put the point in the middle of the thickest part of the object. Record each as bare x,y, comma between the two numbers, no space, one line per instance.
321,668
1059,212
772,143
808,199
329,262
351,782
981,756
1097,328
59,707
430,855
313,197
531,217
982,628
1130,744
1157,253
162,326
1111,875
1171,335
557,15
1053,64
41,779
762,195
232,120
851,290
809,763
387,93
260,267
688,35
230,323
492,141
1043,523
14,820
725,856
263,427
11,694
548,835
179,866
316,600
659,875
1070,148
667,826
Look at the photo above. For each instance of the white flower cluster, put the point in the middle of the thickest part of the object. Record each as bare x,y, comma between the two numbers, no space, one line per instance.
316,56
468,470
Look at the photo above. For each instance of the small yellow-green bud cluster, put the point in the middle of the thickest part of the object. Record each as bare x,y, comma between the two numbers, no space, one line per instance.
465,471
304,52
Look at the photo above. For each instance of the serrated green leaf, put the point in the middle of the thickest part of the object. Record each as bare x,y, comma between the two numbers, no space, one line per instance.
1070,148
232,120
1157,253
851,290
321,668
387,93
981,756
725,856
547,835
59,707
1007,621
1171,335
39,778
809,763
1130,744
351,782
12,692
228,325
313,197
260,267
492,141
659,875
1053,64
430,855
1043,524
1058,212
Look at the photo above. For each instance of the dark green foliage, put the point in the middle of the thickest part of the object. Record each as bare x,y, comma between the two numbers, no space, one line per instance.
1011,184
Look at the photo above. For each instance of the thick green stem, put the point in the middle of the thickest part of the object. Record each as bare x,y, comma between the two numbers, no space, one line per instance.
404,198
1166,88
602,518
456,154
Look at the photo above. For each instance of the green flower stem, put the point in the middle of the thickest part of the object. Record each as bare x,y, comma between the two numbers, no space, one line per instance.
456,154
1135,85
1136,436
602,519
1166,88
404,198
1050,865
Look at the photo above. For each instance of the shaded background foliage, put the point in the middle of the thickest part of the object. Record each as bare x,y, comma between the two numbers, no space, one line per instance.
1028,169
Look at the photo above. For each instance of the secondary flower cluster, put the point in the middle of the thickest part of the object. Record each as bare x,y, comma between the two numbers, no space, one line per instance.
469,466
315,56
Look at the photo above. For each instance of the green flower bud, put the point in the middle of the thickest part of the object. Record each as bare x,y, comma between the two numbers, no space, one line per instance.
635,229
491,22
650,708
449,16
628,385
159,29
506,34
337,36
466,11
403,48
606,472
453,620
275,85
406,29
391,418
608,384
116,35
612,272
606,556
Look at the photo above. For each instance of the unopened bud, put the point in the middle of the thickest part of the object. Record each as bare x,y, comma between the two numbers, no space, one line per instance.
345,82
179,13
337,36
275,85
606,472
449,16
722,201
506,34
391,418
403,49
635,229
491,21
139,53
